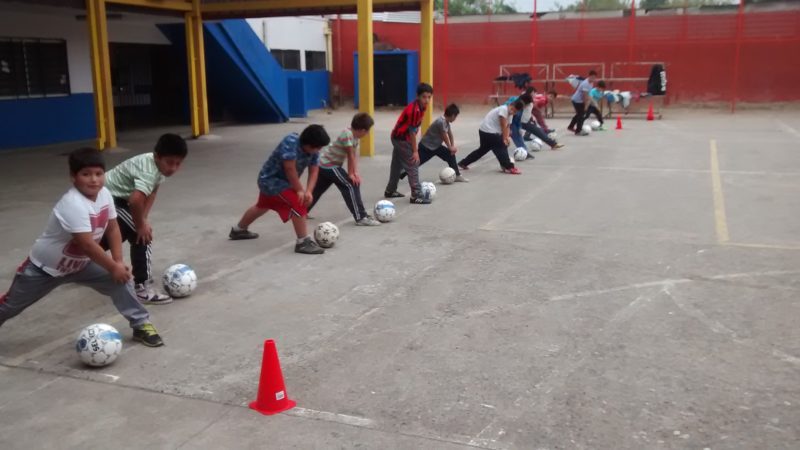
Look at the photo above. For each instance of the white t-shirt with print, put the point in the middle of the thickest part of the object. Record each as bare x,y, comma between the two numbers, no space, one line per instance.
54,251
491,123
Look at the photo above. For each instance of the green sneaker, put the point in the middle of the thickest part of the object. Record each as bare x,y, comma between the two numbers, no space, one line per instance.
147,335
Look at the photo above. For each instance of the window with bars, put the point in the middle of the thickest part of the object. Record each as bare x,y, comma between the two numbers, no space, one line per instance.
288,59
31,68
315,60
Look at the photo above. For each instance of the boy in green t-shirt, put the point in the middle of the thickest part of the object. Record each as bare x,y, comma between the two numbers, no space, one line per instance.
331,161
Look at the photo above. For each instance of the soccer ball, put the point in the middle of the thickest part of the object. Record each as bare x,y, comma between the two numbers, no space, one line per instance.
384,211
98,345
428,190
586,130
520,154
179,280
595,125
535,145
552,135
326,234
447,175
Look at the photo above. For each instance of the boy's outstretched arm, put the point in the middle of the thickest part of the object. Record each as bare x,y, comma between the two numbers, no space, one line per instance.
290,169
85,241
149,202
114,239
313,173
138,204
352,165
504,126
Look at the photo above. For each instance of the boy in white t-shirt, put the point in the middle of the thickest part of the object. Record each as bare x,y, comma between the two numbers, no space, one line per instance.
68,251
494,136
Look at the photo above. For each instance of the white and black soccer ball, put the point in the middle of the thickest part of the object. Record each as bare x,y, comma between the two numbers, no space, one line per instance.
179,280
99,345
428,190
520,154
326,234
535,145
595,125
553,135
384,211
447,175
586,130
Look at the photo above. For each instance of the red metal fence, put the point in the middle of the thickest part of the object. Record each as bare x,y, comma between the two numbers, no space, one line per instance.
700,53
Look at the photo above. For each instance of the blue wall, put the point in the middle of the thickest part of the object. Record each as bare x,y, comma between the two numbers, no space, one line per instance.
307,90
43,121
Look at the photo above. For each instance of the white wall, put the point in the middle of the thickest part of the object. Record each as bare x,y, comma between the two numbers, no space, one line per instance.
291,33
62,24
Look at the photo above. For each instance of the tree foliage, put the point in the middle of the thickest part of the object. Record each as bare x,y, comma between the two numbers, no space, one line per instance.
473,7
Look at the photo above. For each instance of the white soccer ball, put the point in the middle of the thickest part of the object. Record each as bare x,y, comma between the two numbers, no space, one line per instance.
428,190
384,211
447,175
595,125
534,146
326,234
520,154
99,344
179,280
552,135
586,130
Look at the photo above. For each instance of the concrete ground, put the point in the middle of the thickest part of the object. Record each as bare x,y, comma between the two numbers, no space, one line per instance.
639,289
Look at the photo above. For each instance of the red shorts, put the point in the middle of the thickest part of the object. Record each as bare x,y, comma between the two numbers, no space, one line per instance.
285,204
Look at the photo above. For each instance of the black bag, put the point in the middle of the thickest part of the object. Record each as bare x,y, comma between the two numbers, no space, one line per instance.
657,83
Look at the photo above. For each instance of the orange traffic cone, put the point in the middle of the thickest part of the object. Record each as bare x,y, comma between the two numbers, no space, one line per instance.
272,397
619,122
650,115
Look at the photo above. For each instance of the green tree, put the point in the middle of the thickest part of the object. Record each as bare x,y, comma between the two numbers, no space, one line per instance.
473,7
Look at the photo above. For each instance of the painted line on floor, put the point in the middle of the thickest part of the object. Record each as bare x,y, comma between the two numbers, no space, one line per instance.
504,215
111,319
331,417
720,218
789,129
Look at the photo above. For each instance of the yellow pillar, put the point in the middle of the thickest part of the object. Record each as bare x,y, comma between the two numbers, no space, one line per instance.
101,74
366,79
195,54
426,53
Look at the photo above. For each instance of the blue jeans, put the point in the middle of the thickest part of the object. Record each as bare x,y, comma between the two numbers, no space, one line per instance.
530,127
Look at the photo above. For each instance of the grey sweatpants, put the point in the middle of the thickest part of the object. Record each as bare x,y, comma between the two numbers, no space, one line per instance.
401,160
32,283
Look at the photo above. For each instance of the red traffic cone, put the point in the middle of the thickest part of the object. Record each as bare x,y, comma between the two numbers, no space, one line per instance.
272,397
650,115
619,122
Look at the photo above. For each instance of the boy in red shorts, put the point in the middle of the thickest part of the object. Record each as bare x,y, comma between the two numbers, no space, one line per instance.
281,190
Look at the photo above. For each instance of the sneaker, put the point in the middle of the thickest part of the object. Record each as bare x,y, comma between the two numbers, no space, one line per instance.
149,296
394,194
571,129
557,146
368,221
512,171
530,156
462,167
420,201
527,138
236,235
462,179
308,247
147,335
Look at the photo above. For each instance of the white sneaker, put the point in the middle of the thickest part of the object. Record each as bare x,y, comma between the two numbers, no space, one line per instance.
149,296
368,221
462,179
